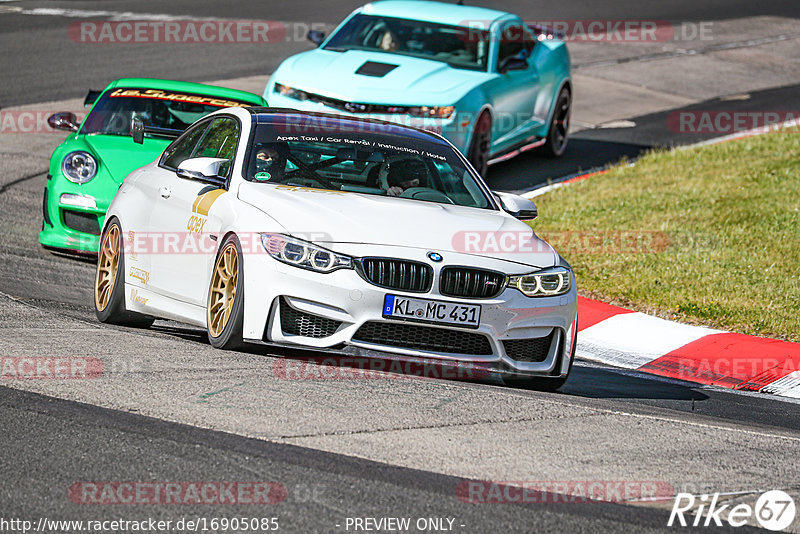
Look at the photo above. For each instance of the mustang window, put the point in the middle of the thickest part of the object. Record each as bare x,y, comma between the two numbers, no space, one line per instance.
458,46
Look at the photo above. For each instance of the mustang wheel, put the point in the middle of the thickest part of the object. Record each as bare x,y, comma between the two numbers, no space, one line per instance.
225,308
109,287
556,142
478,154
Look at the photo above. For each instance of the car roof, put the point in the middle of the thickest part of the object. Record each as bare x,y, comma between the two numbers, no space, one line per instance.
342,123
426,10
201,88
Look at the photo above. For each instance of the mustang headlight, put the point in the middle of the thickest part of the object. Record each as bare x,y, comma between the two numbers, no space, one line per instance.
546,283
79,166
291,92
303,254
434,112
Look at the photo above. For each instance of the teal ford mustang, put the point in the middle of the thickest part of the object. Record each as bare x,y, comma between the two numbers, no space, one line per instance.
484,79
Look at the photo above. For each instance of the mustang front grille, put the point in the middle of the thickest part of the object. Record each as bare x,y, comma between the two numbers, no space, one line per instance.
300,323
533,349
470,283
403,275
417,337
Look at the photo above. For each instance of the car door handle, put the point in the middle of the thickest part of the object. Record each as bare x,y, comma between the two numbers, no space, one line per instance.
164,191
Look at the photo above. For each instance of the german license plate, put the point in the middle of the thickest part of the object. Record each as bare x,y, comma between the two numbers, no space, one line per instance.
431,311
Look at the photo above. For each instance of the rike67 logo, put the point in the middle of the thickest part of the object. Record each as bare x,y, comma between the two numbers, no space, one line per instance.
774,510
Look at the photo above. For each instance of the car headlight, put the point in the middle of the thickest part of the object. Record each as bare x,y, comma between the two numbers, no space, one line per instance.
291,92
546,283
303,254
79,166
434,112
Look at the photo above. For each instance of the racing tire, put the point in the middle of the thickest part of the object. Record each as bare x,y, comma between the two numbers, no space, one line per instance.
557,134
542,383
225,306
109,286
478,154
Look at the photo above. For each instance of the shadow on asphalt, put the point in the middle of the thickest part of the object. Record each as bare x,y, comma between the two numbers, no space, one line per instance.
599,383
532,169
584,381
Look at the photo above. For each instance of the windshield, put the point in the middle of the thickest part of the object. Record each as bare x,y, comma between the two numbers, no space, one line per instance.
115,110
353,157
459,47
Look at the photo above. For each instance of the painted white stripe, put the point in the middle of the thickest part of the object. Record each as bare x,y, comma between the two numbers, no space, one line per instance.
110,15
788,386
631,340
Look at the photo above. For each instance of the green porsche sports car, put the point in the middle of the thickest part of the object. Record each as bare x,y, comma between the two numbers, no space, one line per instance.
89,166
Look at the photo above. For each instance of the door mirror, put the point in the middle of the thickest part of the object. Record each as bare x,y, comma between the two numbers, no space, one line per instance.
513,63
520,207
202,169
137,131
316,37
63,120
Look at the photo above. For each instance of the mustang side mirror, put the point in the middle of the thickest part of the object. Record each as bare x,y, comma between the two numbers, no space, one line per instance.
520,207
63,120
137,131
202,169
316,37
513,63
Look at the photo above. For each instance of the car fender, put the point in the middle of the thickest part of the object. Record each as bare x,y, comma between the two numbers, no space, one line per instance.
553,63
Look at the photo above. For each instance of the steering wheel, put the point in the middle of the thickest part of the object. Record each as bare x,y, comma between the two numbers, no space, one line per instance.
426,193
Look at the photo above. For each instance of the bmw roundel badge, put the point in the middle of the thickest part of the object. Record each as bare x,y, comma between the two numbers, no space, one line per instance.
435,256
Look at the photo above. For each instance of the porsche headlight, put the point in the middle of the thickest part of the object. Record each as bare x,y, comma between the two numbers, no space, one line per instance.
546,283
303,254
434,112
79,166
291,92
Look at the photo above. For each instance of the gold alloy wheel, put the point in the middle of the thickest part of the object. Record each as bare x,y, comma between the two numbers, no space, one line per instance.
107,264
223,290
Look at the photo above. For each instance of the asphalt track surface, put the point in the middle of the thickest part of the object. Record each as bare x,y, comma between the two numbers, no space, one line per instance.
170,408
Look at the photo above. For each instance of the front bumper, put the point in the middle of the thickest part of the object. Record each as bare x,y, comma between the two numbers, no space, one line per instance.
71,227
342,311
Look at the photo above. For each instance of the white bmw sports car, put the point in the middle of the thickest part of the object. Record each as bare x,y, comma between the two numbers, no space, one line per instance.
346,235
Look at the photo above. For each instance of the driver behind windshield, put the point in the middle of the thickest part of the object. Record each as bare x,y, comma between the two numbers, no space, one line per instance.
405,174
269,162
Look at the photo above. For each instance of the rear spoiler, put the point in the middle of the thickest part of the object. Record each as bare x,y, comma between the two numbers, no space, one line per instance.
139,129
547,31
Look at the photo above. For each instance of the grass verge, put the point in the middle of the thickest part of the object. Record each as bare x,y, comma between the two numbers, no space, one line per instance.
708,235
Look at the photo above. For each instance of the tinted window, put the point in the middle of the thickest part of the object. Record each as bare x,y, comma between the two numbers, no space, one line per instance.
354,158
115,111
219,141
458,46
183,147
515,41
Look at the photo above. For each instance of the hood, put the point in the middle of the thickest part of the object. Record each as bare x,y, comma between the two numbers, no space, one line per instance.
330,217
414,81
119,155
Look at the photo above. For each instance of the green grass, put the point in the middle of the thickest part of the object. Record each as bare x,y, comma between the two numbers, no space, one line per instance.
707,236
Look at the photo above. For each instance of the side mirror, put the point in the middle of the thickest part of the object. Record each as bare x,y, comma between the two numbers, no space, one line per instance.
63,120
513,63
316,37
137,131
520,207
202,169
